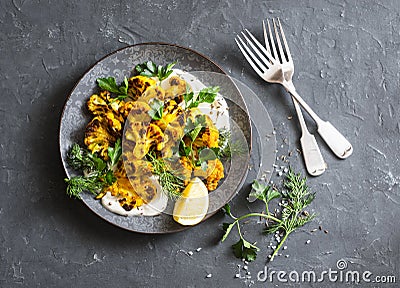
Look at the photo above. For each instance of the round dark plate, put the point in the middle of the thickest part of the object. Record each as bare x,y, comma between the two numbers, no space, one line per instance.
118,64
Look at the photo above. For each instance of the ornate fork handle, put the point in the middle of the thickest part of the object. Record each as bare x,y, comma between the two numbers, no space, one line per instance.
332,137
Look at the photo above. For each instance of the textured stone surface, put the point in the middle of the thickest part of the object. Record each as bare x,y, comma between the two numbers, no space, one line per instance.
347,67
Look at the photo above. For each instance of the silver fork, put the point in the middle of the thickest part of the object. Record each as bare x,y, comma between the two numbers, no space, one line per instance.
313,159
273,71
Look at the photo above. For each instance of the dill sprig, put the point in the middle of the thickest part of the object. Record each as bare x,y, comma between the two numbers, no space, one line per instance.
78,184
295,199
168,181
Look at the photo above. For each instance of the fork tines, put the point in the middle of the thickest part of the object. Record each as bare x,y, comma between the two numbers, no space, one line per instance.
261,58
258,57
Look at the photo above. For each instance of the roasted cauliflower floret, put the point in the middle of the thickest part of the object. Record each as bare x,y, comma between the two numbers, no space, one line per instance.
98,137
137,85
140,133
209,138
175,87
171,111
214,173
153,92
106,126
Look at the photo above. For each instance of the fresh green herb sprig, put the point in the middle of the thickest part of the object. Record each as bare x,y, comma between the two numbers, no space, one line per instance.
98,173
78,184
171,183
206,95
114,153
294,202
110,85
192,130
150,69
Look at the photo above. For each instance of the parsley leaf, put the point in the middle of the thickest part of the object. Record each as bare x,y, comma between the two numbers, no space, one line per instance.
206,95
227,228
156,109
245,250
110,85
115,153
150,69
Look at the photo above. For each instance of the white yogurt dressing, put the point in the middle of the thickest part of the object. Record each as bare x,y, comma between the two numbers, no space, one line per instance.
217,111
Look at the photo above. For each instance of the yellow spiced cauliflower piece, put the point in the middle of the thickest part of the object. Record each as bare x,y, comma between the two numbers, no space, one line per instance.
175,87
122,188
212,175
107,123
137,85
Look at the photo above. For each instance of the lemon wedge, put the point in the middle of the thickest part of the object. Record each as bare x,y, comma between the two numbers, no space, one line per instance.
192,206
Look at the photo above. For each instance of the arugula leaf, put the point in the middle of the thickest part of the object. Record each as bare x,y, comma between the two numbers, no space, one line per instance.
245,250
115,153
157,109
150,69
110,85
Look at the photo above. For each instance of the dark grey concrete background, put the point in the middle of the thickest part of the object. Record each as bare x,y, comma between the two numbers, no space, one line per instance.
346,56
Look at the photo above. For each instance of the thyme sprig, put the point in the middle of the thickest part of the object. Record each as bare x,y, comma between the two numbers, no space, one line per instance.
294,201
